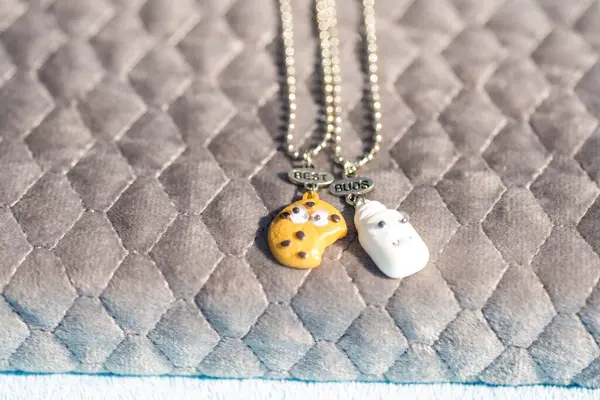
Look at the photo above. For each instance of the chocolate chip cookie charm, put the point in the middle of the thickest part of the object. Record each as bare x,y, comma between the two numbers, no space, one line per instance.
301,231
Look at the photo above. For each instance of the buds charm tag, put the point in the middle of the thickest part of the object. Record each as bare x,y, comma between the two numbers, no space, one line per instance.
389,239
351,186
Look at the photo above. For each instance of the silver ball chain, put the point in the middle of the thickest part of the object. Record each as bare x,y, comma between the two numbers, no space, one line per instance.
330,69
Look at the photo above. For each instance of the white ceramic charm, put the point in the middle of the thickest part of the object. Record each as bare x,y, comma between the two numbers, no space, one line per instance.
389,239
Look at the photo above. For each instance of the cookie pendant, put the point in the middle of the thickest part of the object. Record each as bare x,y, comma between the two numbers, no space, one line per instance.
301,231
389,239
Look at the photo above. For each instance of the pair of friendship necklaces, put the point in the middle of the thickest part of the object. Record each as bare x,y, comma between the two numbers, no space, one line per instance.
302,231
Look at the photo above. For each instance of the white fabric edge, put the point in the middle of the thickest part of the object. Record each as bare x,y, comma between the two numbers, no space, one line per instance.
89,387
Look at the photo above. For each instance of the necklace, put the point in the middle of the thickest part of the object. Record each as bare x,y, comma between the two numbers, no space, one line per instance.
301,231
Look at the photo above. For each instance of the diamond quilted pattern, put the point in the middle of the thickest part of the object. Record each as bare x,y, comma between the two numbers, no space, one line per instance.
562,366
151,143
423,305
474,332
190,342
325,361
13,245
458,263
242,146
564,182
566,12
209,46
474,67
589,376
252,20
563,123
165,18
192,181
287,341
200,112
517,87
60,140
72,71
128,214
43,352
587,24
517,225
224,210
137,354
328,317
139,172
428,85
48,210
431,22
7,68
232,299
516,154
420,361
91,244
14,331
471,121
563,55
121,43
137,279
9,11
83,18
111,108
101,176
559,273
514,324
476,11
469,189
414,153
515,366
161,76
186,241
24,103
231,358
18,171
587,226
374,287
248,79
520,25
103,334
589,314
32,38
279,284
373,341
587,156
268,183
46,305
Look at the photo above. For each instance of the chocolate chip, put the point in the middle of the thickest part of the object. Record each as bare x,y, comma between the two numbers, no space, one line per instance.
286,243
309,204
302,254
295,210
284,215
300,235
316,217
335,218
381,224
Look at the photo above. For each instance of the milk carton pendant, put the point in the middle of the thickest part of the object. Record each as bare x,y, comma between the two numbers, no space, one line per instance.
385,234
389,239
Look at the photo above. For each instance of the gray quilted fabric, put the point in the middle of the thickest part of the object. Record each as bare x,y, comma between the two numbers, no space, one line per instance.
139,169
